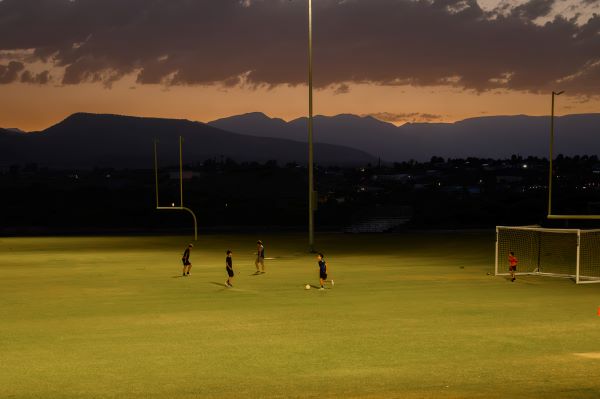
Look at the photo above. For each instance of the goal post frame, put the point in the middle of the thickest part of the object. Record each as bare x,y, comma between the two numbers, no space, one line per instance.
496,257
579,274
578,257
573,217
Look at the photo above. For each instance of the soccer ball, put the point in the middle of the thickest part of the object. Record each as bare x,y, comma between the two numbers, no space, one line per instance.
307,287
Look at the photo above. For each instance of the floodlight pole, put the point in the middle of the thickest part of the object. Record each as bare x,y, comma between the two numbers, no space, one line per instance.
551,158
311,183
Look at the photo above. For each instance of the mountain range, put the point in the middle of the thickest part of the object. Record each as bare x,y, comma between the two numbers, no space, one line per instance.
87,140
488,137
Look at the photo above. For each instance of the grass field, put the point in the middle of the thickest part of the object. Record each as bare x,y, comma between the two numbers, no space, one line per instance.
410,316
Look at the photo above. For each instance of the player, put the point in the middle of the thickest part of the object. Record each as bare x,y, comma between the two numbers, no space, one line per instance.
187,265
512,262
322,270
229,268
260,258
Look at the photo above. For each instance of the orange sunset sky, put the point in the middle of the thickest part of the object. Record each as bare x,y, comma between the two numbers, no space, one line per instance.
400,61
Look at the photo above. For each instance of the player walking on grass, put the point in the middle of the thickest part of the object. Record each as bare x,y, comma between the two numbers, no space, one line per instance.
322,270
512,265
260,257
187,265
229,268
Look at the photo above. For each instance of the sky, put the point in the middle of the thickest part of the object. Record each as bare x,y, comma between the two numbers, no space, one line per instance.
398,60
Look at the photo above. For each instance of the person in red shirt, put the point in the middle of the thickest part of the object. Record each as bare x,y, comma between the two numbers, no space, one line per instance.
512,265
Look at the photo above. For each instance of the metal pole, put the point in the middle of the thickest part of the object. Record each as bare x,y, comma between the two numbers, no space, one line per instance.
496,257
551,160
311,216
156,172
577,268
174,208
550,174
180,172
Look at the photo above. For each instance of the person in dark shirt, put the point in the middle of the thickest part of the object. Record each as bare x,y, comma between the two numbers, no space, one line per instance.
260,257
187,265
323,270
229,268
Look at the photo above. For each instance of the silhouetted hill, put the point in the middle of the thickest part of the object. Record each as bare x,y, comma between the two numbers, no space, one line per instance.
88,140
11,130
355,131
493,137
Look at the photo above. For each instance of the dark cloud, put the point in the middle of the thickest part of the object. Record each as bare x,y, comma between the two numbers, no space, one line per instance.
342,89
263,42
429,117
534,9
41,78
10,73
15,71
405,117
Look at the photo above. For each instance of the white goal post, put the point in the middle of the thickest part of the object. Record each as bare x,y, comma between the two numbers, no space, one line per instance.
569,253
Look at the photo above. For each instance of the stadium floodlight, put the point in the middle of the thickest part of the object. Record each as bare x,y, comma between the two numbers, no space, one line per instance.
570,253
173,207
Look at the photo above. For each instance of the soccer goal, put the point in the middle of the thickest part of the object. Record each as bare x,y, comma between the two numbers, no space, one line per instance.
569,253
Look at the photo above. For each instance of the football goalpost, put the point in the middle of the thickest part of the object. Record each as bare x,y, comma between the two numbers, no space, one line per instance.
180,207
569,253
551,214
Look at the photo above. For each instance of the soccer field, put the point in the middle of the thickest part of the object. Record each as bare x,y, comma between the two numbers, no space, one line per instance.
410,316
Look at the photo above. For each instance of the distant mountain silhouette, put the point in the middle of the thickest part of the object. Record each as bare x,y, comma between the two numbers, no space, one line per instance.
88,140
12,130
493,137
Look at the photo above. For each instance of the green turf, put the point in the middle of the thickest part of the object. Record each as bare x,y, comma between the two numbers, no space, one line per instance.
410,316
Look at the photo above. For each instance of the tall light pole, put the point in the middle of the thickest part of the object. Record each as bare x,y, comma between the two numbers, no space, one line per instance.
551,173
311,182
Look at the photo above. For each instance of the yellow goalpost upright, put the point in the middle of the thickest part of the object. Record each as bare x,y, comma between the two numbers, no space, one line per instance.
181,207
551,215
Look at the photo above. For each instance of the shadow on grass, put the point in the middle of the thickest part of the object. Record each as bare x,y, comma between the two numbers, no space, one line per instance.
219,284
317,287
522,280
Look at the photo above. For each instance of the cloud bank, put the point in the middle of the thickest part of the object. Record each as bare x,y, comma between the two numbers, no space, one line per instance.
264,42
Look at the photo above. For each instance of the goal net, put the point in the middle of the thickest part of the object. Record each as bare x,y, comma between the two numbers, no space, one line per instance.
570,253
